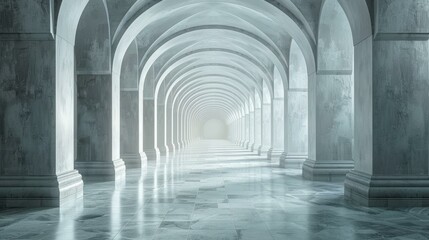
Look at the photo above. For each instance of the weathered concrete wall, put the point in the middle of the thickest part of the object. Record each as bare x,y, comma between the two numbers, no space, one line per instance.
297,122
266,127
310,10
277,123
297,109
93,40
25,16
27,108
401,113
161,128
130,140
94,116
258,128
129,122
363,136
149,128
392,165
130,69
398,16
334,47
334,126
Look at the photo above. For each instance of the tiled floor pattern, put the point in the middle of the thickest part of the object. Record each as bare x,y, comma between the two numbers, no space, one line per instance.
214,190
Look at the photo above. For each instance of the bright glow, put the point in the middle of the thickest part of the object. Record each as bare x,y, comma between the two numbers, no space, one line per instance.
215,129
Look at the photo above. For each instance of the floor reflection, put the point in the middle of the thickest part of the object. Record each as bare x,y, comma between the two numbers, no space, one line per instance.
213,190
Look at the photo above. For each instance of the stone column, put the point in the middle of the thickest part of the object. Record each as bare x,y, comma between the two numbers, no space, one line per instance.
266,129
392,114
169,128
251,130
182,123
161,126
130,150
246,130
31,174
243,130
161,130
176,130
331,100
94,128
258,130
149,130
277,135
296,146
235,131
238,131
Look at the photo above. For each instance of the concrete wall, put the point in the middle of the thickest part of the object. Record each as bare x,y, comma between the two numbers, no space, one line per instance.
401,113
94,132
334,117
92,46
25,16
27,108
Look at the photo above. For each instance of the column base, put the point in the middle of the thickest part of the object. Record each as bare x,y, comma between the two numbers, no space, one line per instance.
172,148
152,154
274,155
263,150
255,148
135,160
292,161
102,171
177,146
164,151
386,191
327,171
40,191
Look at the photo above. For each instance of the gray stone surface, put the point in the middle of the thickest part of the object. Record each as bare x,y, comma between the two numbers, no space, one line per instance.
203,194
95,81
94,118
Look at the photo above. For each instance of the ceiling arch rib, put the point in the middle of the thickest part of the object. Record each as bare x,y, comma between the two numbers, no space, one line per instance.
265,12
214,87
213,104
201,39
210,78
193,96
212,72
221,96
204,114
246,63
211,101
225,70
207,83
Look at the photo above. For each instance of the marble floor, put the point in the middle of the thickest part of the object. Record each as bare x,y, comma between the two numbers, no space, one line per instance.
214,190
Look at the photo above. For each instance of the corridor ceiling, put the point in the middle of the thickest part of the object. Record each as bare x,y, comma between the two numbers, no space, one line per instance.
208,43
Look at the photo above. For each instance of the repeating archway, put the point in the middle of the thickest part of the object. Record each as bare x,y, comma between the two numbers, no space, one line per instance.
176,53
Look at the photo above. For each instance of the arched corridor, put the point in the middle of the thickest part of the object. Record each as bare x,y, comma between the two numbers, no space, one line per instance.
214,119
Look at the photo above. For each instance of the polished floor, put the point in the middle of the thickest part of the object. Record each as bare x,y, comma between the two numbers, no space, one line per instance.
214,190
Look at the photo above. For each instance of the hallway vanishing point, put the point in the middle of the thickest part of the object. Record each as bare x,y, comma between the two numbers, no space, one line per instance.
214,190
214,119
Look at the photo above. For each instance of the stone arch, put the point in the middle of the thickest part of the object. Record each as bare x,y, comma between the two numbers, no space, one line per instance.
331,99
94,94
296,147
277,116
